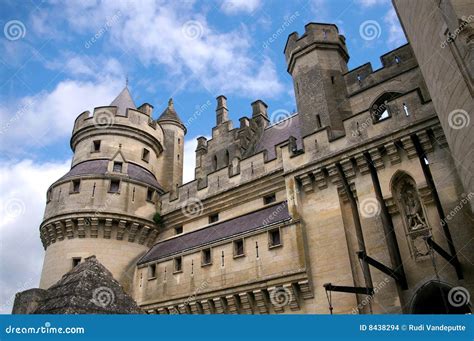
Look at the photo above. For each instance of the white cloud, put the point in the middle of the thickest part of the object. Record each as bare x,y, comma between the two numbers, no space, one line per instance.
175,36
396,36
371,3
238,6
22,202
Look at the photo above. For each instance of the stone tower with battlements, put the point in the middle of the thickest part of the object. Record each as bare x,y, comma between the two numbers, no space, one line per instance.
104,206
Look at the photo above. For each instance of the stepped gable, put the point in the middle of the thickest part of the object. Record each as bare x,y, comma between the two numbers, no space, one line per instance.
89,288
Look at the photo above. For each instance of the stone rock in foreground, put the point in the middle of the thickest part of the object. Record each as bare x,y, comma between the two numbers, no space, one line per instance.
89,288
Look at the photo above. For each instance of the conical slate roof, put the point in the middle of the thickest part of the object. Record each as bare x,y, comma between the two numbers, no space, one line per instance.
89,288
170,114
123,101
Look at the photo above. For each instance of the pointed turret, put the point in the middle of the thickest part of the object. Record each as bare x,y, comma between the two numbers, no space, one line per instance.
123,101
169,115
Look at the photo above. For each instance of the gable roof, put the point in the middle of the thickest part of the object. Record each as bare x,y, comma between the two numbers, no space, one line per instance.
213,233
123,101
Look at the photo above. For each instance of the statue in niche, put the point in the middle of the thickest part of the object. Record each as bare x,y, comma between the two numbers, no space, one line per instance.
412,212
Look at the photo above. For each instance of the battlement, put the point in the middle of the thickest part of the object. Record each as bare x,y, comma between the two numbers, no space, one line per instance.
316,34
393,63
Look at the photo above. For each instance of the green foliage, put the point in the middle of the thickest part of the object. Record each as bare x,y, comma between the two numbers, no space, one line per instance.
158,219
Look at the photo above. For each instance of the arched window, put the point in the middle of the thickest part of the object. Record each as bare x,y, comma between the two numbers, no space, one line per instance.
412,213
380,110
226,160
214,162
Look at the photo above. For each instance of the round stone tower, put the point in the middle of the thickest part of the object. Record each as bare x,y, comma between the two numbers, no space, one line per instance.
104,206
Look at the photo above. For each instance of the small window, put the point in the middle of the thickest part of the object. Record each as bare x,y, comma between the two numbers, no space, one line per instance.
117,167
114,186
146,155
275,238
178,264
268,199
96,146
206,256
405,108
152,271
318,121
179,142
49,195
149,194
213,218
76,261
76,186
178,230
238,248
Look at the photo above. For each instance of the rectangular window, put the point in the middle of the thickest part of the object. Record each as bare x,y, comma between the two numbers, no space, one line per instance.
149,194
96,146
117,167
238,248
274,237
76,261
152,271
76,186
178,230
178,264
49,195
318,120
114,186
268,199
213,218
146,155
206,257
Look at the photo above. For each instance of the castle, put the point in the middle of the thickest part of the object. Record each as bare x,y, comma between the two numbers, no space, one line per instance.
351,205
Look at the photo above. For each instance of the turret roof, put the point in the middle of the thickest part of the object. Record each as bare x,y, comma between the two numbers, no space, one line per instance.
123,101
170,114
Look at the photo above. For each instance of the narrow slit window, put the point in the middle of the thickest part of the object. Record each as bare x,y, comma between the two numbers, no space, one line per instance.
318,121
149,194
405,108
49,195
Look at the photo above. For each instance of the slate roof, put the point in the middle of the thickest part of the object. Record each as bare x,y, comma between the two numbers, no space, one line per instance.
170,114
123,101
99,167
224,230
89,288
278,133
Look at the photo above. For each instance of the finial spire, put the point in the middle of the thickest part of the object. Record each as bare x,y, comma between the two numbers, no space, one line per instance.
126,81
170,103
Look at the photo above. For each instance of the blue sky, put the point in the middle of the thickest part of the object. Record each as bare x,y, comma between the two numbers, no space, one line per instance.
59,59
